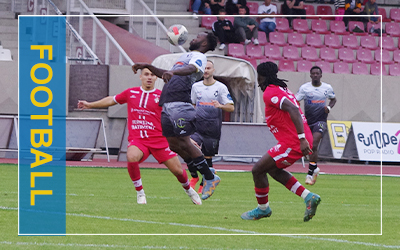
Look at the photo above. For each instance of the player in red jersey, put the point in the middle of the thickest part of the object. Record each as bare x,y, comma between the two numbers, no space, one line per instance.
145,133
289,126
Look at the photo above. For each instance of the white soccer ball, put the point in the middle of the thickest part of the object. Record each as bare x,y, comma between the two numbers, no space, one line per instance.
177,34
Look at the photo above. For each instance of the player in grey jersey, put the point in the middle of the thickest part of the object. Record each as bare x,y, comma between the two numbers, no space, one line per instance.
314,94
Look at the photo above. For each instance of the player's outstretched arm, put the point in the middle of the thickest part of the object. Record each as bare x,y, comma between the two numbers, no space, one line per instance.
184,71
103,103
156,71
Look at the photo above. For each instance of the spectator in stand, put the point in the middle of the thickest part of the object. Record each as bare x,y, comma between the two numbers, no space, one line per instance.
293,7
216,5
246,27
224,30
339,9
203,5
371,8
232,6
267,23
352,7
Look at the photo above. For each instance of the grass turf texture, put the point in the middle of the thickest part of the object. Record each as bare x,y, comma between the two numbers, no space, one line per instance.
103,201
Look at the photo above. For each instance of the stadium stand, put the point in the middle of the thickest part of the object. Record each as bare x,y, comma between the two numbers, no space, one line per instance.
253,8
396,56
346,55
207,21
236,50
350,41
385,18
282,25
295,39
365,55
325,10
332,41
300,26
325,66
376,69
286,65
272,51
394,69
277,38
309,53
395,15
314,40
360,69
319,27
328,54
262,38
254,51
354,24
368,42
386,59
304,66
341,68
310,11
338,28
290,52
392,29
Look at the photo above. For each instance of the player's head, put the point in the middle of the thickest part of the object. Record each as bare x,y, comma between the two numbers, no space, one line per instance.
316,74
204,42
209,70
148,79
267,73
222,13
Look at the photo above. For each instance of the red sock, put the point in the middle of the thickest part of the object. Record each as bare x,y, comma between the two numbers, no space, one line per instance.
262,195
295,186
134,173
183,179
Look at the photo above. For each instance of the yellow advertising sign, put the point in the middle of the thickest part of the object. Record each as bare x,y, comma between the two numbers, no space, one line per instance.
338,132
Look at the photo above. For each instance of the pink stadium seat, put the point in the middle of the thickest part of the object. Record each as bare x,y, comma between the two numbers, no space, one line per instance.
376,69
253,8
286,65
319,27
325,66
394,69
254,51
282,25
310,12
230,18
354,24
314,40
309,53
368,42
376,26
365,55
333,41
395,15
277,38
272,51
301,26
341,68
338,28
346,55
236,50
393,29
382,11
387,43
386,59
325,10
267,60
328,54
253,62
350,41
396,56
291,53
304,66
207,21
296,39
360,69
262,38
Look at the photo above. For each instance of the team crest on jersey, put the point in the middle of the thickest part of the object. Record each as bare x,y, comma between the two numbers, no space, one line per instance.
156,98
274,100
216,93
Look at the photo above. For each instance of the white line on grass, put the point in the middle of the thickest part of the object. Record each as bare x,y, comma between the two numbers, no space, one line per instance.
193,226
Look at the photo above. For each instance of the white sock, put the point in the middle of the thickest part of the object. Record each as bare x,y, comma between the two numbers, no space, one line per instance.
263,206
141,192
304,194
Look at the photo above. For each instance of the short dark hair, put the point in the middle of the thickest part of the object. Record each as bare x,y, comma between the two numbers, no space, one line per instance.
222,10
211,41
316,67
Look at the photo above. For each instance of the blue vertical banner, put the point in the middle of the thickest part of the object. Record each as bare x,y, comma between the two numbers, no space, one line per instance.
42,111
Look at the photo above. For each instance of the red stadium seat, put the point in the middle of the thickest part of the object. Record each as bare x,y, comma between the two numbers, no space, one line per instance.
290,53
304,66
382,11
296,39
365,55
207,21
254,51
236,50
301,26
387,43
346,55
392,29
395,15
341,68
394,69
282,25
310,12
272,51
309,53
386,59
286,65
360,69
277,38
376,69
338,28
332,41
368,42
396,56
328,54
319,27
253,8
262,38
314,40
350,41
354,24
376,26
325,66
325,10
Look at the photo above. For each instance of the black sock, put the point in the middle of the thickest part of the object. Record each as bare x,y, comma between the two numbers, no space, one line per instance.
311,168
201,164
192,168
209,162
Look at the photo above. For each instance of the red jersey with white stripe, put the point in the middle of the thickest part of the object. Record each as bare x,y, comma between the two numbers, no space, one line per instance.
144,114
278,120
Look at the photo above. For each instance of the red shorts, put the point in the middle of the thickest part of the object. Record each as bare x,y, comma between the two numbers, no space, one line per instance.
284,156
162,152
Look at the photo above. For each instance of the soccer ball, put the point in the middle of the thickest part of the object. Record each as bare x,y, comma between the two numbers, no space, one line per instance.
177,34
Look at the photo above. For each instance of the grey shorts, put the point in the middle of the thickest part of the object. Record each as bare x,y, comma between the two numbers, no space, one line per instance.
318,127
209,146
177,119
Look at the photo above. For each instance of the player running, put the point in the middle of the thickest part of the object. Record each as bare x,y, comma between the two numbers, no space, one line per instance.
289,126
145,136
